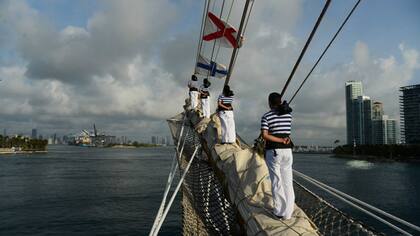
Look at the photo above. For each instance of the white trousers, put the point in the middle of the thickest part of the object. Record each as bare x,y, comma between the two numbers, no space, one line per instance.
205,104
228,126
194,99
279,163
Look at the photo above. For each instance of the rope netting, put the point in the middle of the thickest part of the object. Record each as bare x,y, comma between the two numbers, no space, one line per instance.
204,202
208,211
328,219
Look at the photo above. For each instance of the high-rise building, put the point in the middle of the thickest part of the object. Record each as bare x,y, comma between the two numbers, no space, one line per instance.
378,131
384,130
354,89
168,140
34,134
377,111
390,131
4,133
362,120
154,140
410,114
163,141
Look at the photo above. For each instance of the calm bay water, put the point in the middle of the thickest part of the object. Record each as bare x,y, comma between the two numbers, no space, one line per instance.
87,191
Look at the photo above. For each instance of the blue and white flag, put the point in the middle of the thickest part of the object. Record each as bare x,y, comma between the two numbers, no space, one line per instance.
206,67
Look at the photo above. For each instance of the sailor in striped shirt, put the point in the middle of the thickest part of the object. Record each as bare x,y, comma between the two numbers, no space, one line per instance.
225,111
276,129
205,97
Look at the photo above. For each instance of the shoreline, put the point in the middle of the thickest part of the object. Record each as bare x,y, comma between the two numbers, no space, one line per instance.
21,152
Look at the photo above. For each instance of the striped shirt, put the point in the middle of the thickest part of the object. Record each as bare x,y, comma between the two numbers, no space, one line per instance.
276,124
204,89
225,100
193,84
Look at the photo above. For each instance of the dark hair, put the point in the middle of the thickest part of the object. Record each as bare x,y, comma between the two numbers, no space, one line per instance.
194,78
274,100
206,83
281,107
227,92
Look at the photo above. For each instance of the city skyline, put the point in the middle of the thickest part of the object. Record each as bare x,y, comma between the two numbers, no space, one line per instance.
64,64
365,118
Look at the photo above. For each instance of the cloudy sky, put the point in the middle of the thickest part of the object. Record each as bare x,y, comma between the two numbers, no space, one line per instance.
65,64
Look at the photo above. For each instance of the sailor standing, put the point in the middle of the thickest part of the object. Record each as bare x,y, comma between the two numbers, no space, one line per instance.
225,111
205,97
193,86
275,129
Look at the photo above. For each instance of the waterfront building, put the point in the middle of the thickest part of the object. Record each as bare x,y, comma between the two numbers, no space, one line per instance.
163,141
390,131
154,140
168,141
378,131
384,130
354,89
377,110
362,120
34,134
410,114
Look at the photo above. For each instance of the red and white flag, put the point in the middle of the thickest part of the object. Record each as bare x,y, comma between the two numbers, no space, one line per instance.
217,29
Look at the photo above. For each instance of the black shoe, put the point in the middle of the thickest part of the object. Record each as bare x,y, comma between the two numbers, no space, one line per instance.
278,217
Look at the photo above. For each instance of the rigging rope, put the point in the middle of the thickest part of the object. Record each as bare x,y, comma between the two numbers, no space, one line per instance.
243,33
224,30
245,13
399,220
165,213
214,44
171,176
342,196
325,50
200,39
308,41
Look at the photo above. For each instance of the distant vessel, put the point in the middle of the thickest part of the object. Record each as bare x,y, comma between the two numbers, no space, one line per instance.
93,139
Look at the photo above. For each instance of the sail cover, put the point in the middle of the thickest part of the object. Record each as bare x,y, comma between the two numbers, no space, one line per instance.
217,29
206,67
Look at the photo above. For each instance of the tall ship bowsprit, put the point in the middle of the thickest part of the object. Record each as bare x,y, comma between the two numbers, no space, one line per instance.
225,186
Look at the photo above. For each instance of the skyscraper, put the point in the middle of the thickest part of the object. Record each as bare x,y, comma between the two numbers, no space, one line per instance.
377,111
390,131
362,120
34,134
410,114
353,91
384,130
154,140
377,123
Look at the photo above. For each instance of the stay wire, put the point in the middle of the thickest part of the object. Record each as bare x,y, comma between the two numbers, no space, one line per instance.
203,20
308,41
238,37
214,44
243,33
224,30
247,19
326,49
